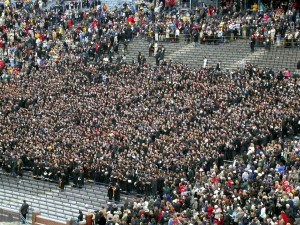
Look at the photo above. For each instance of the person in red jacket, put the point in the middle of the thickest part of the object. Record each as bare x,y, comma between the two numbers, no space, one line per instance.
182,186
284,216
95,23
210,215
69,23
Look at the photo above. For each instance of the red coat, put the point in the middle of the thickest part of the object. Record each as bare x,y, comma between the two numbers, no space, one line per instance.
70,23
284,217
230,182
159,216
95,23
130,19
42,36
210,210
181,188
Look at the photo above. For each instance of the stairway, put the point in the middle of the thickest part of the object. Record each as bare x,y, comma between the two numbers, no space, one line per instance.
46,197
252,57
139,45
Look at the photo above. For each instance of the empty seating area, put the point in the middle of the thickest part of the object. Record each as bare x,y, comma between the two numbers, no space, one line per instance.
228,54
46,197
279,58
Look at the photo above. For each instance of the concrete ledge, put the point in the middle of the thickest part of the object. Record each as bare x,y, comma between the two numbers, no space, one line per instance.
46,221
37,219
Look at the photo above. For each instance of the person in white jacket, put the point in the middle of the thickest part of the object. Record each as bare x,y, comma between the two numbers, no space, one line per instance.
263,214
217,212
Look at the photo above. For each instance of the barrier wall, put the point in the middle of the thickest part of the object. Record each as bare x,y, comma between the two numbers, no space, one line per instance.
9,215
38,219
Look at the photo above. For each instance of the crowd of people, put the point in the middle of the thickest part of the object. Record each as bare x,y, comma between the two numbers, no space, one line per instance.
278,23
163,132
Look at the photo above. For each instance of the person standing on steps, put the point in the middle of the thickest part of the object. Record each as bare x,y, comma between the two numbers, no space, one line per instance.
151,49
80,216
139,58
155,48
157,57
110,192
125,43
204,62
252,43
24,210
162,55
117,193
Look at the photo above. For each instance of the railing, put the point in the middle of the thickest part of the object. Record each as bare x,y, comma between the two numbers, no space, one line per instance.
188,38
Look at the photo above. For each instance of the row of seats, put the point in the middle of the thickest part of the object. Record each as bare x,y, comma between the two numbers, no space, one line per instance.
229,54
46,196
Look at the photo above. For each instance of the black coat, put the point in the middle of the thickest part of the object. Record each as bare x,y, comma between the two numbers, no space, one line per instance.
80,217
102,221
24,208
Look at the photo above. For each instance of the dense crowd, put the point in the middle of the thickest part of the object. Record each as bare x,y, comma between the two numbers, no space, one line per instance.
161,131
278,23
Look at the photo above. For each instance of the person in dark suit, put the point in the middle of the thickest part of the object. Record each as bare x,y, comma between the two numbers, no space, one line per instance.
80,216
81,179
24,210
157,57
102,220
252,43
139,58
75,177
110,192
97,217
117,193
